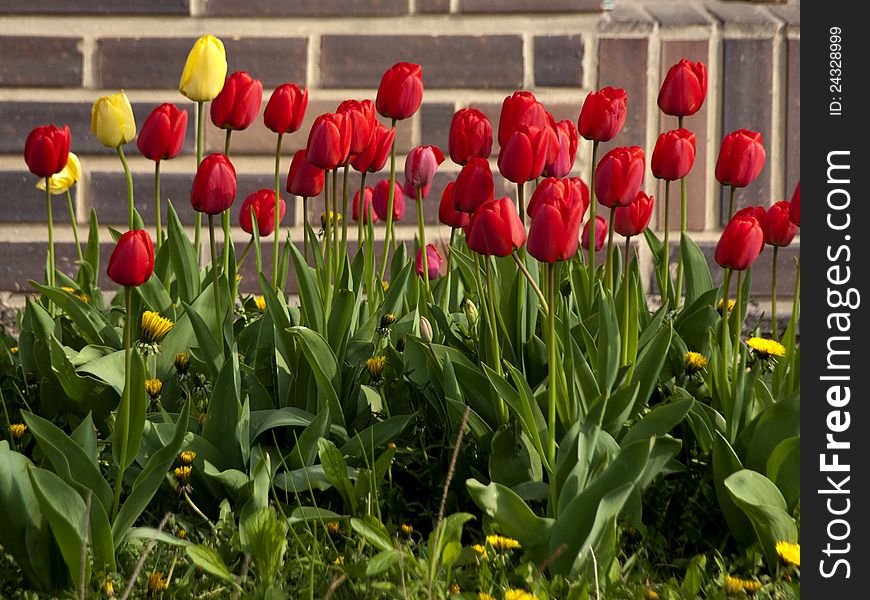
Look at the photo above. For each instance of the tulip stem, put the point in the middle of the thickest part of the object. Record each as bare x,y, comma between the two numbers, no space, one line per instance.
75,227
200,126
608,268
551,344
128,367
50,242
445,298
361,210
731,203
795,308
227,136
490,293
390,200
679,284
214,274
625,291
521,202
324,223
305,226
544,304
159,232
665,282
773,294
592,225
334,217
344,215
738,321
423,250
129,177
278,213
245,252
723,333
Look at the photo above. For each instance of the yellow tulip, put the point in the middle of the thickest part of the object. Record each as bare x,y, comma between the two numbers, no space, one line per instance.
59,183
112,120
205,69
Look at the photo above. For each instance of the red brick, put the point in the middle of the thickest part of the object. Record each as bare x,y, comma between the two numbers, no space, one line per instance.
623,63
436,120
793,117
95,7
26,260
433,6
22,202
559,60
304,8
30,61
528,6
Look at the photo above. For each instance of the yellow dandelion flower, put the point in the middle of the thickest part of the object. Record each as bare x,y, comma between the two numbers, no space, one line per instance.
109,588
202,417
730,306
187,457
385,285
339,560
18,430
375,366
407,529
695,361
480,550
751,586
260,301
391,446
651,595
733,585
182,534
501,543
518,594
485,596
790,553
13,350
765,347
182,362
68,289
154,327
334,218
333,527
153,387
182,474
454,589
84,298
156,582
387,320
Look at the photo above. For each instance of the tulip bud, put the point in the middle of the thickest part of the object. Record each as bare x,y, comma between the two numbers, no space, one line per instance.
381,200
112,120
603,114
367,209
162,134
523,155
600,233
433,260
741,158
205,70
631,220
756,212
132,261
795,208
556,212
474,185
420,166
304,179
619,176
522,108
238,103
471,312
263,203
425,330
286,108
400,93
329,141
740,244
447,212
60,182
674,155
581,191
46,150
684,89
495,228
362,122
214,187
777,225
568,141
470,136
374,155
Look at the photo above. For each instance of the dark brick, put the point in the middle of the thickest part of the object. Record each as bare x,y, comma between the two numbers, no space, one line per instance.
530,6
26,260
677,14
696,182
623,63
433,6
95,7
22,202
272,60
559,60
40,61
625,18
748,65
793,117
449,61
436,120
304,8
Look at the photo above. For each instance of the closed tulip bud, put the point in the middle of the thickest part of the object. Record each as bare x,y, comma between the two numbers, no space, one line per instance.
522,108
112,120
619,176
420,166
60,182
470,136
433,259
600,233
205,70
603,114
162,134
263,203
238,103
304,179
286,108
474,185
425,330
756,212
778,228
523,155
740,244
381,197
367,208
673,155
631,220
132,261
362,122
795,208
329,141
374,155
46,150
495,228
214,187
568,141
470,310
400,93
741,158
447,211
581,191
556,209
684,89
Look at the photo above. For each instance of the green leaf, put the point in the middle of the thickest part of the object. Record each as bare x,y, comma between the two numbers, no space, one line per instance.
784,469
94,327
382,561
130,417
224,411
698,279
92,250
305,450
209,351
302,514
373,532
85,435
323,364
336,470
725,463
512,514
309,292
778,422
660,421
183,257
209,561
650,363
264,420
266,536
375,436
149,533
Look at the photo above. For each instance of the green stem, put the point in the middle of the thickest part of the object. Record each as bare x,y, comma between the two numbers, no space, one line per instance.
521,202
680,267
608,268
200,126
422,231
363,217
795,308
445,298
773,294
129,177
592,225
324,250
390,201
738,321
336,259
128,367
305,226
625,312
51,275
214,273
229,134
159,232
278,213
545,306
723,329
551,346
244,254
225,218
344,218
731,203
74,223
666,248
490,293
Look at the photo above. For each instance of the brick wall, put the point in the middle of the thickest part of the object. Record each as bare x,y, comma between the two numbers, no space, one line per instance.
60,55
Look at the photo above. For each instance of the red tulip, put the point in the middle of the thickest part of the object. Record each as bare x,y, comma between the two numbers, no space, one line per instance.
46,150
367,208
631,220
214,187
362,122
673,155
756,212
400,93
778,228
568,141
238,103
495,228
470,136
132,261
600,233
263,203
795,208
381,198
741,158
522,108
420,166
603,114
581,191
556,209
474,185
523,156
740,244
286,108
433,259
447,211
619,176
329,141
684,88
162,133
374,155
304,179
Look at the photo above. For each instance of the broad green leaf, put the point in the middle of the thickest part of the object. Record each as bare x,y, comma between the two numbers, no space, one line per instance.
375,436
336,470
323,364
512,514
373,532
660,421
725,463
90,321
224,410
309,292
698,279
382,561
183,257
130,417
784,469
264,420
305,450
301,514
209,561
